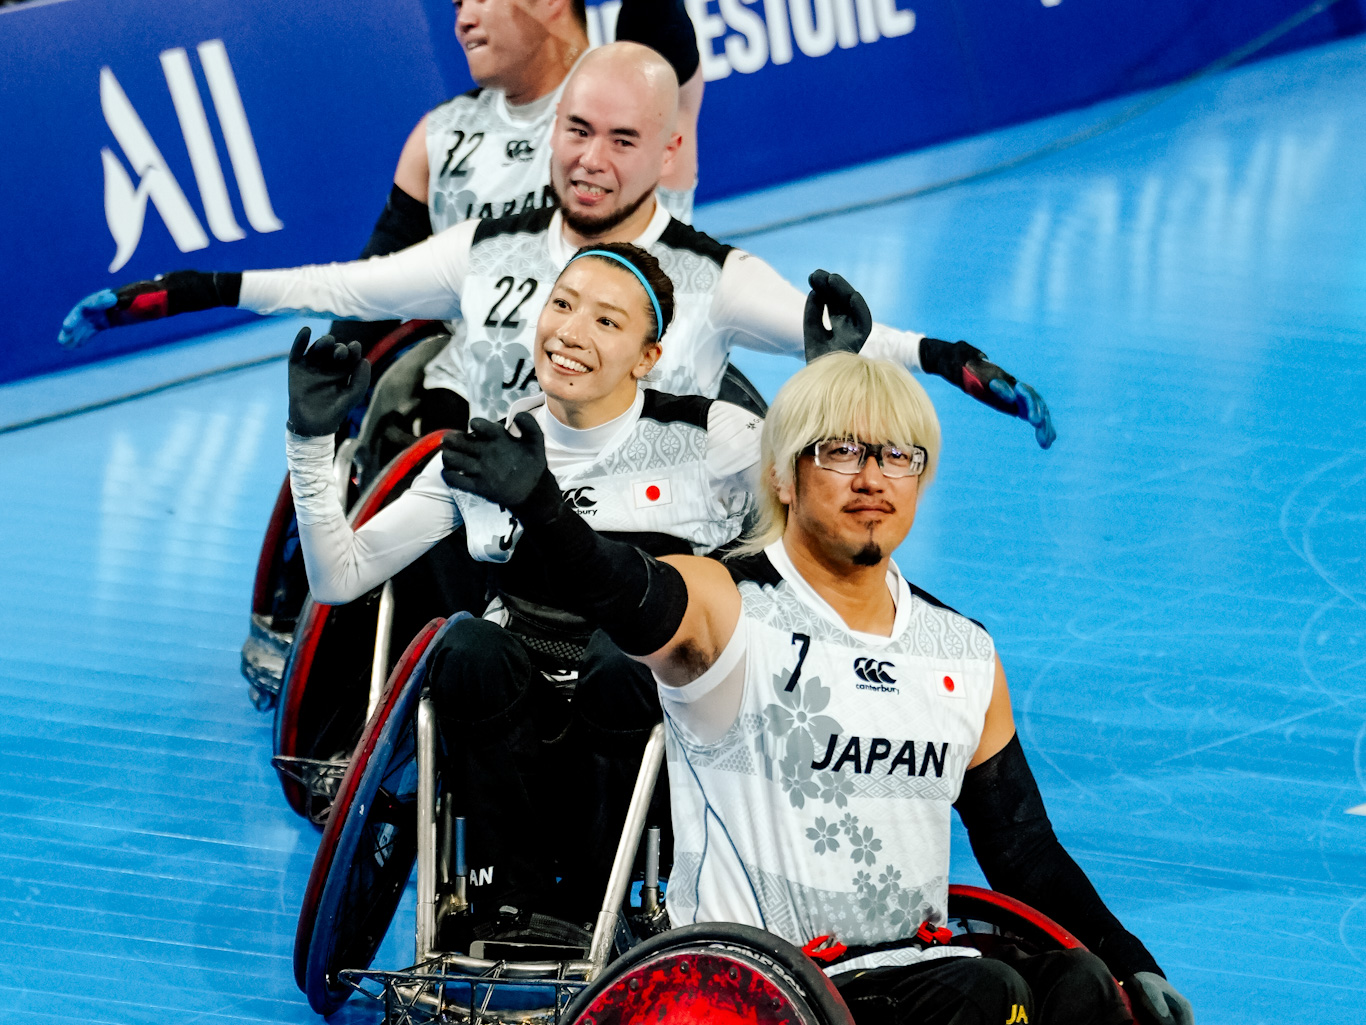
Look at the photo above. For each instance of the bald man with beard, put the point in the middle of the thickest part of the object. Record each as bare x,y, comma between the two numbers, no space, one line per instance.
616,137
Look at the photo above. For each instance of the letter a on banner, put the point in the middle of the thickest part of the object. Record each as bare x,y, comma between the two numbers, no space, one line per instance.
125,206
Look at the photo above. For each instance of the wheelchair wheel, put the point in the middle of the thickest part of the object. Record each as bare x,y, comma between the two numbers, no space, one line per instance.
370,843
988,920
316,726
281,585
717,972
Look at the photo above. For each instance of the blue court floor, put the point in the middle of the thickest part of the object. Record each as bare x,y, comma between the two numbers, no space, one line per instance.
1177,588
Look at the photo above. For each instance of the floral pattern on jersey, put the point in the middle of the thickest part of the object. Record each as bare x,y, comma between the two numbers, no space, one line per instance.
878,907
691,273
881,897
932,632
655,446
794,728
864,845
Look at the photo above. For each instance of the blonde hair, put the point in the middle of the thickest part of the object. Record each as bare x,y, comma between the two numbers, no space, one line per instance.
837,396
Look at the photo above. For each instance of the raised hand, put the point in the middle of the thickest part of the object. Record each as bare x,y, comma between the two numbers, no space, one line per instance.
968,368
182,291
326,380
850,319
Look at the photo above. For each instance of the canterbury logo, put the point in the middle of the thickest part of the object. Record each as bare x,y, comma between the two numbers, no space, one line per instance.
520,149
873,671
125,204
577,498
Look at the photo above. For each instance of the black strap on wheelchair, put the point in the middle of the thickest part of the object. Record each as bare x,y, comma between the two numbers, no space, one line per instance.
556,639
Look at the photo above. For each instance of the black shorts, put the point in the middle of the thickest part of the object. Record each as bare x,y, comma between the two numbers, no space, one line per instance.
1061,987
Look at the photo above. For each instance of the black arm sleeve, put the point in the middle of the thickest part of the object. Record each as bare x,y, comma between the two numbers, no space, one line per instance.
404,222
1014,843
663,26
636,599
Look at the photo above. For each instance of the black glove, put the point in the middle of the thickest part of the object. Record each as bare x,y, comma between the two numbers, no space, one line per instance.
325,381
181,291
850,320
1157,1002
967,367
506,468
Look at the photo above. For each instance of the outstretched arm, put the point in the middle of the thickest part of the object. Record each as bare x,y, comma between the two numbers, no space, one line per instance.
1021,856
424,281
762,311
675,615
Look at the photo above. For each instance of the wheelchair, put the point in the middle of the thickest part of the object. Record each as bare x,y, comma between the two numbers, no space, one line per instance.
280,584
390,813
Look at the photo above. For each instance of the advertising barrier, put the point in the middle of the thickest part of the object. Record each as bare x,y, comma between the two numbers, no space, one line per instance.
144,135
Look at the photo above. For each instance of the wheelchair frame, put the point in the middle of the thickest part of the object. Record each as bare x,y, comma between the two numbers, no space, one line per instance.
422,992
423,986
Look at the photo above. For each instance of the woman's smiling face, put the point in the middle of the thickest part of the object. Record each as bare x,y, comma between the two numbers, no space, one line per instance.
590,338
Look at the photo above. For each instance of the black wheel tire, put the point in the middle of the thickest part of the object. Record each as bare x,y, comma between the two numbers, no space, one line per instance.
369,844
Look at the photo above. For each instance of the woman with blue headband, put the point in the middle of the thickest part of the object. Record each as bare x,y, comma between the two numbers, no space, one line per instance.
541,718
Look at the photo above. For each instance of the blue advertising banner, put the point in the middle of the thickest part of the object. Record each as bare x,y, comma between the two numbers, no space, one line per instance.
797,87
149,135
144,135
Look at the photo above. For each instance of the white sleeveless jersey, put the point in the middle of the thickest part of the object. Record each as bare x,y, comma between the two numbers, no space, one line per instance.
680,465
487,158
824,808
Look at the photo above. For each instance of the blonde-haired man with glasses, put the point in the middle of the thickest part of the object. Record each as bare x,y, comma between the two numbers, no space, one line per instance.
823,716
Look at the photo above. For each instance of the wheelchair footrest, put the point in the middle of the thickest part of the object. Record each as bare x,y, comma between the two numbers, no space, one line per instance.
264,654
320,777
442,990
510,950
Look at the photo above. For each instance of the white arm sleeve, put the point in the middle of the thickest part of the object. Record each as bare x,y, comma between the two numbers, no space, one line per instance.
763,311
733,454
342,563
423,281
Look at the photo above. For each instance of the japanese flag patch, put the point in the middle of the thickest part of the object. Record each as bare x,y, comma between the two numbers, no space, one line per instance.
949,686
650,493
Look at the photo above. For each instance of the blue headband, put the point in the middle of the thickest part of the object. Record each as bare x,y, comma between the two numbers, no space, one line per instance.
659,317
